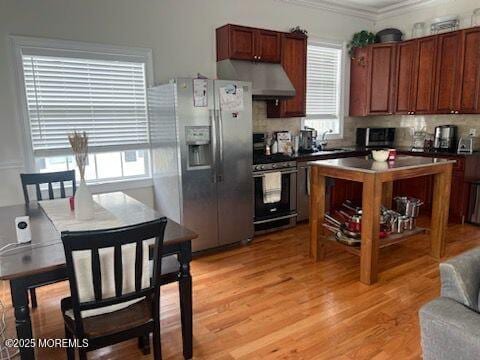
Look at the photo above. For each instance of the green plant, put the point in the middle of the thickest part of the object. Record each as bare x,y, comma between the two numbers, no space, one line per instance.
359,40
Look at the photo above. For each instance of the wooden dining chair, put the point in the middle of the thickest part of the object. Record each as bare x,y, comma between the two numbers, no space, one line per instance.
113,298
38,179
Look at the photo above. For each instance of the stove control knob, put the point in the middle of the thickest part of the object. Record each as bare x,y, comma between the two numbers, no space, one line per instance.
260,167
274,166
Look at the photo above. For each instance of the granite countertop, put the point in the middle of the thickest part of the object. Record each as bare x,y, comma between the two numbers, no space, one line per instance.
364,164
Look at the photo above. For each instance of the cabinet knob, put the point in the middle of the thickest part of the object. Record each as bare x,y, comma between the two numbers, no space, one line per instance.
259,57
255,56
452,112
456,112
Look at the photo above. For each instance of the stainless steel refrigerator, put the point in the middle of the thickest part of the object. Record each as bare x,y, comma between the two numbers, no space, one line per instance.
202,159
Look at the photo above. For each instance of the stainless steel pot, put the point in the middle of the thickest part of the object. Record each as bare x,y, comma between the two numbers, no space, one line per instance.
408,206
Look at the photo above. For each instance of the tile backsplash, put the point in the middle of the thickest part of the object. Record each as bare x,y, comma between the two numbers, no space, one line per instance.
267,125
405,125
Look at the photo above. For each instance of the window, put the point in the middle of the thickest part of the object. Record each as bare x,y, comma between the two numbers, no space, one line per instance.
93,88
324,88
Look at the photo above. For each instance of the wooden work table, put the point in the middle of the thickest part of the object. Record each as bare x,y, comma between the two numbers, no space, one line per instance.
377,179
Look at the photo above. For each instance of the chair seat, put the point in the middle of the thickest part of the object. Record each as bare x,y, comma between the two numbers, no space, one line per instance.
114,322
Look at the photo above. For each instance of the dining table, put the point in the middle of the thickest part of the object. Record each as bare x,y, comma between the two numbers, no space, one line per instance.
42,260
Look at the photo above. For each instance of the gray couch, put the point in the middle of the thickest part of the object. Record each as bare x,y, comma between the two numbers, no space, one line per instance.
450,324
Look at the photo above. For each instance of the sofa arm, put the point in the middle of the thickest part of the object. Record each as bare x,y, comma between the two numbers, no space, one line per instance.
461,278
450,331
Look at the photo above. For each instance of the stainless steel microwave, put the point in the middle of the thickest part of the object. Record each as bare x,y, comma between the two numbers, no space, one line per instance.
376,137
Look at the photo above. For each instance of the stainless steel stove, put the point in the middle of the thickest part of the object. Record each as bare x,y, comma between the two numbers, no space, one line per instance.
282,214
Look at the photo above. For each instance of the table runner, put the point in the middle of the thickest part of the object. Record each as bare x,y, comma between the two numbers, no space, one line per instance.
59,213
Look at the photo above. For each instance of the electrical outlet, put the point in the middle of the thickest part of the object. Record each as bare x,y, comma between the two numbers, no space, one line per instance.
473,132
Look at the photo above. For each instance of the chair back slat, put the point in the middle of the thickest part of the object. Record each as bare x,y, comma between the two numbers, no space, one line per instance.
62,189
118,252
96,274
39,193
50,191
37,179
118,267
138,265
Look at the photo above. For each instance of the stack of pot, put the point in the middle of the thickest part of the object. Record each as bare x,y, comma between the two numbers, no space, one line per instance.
408,208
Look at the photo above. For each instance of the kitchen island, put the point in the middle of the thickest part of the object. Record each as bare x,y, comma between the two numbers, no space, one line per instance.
377,179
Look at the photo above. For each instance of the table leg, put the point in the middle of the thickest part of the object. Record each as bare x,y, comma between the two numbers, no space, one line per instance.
371,202
185,289
317,213
440,207
387,194
23,323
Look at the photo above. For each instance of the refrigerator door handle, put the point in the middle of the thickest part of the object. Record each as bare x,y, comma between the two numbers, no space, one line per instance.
220,145
214,144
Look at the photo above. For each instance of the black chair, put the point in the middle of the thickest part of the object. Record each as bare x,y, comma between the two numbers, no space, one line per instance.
138,319
51,178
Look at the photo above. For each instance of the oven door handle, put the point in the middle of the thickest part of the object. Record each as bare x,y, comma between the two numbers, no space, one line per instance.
275,219
257,175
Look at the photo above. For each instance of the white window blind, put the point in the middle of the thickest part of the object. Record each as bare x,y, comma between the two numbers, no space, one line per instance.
105,98
323,82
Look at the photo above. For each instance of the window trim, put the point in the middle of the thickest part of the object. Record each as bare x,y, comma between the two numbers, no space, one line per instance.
343,82
19,43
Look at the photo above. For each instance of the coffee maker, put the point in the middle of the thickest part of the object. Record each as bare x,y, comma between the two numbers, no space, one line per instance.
445,138
308,140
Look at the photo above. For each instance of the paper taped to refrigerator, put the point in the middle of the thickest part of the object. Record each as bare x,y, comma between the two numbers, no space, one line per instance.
231,98
200,94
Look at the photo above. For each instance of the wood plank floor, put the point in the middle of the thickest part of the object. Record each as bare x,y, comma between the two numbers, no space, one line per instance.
268,300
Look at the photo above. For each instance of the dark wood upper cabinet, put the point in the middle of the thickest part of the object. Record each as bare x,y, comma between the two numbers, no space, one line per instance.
469,102
449,50
268,46
415,76
438,74
294,61
405,77
424,84
381,72
246,43
372,76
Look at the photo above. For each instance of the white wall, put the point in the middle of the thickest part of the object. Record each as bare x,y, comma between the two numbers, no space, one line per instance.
405,21
180,32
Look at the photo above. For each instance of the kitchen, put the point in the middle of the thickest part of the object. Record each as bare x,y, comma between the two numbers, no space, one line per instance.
245,102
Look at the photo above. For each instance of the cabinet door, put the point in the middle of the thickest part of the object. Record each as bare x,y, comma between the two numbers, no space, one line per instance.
242,43
470,79
358,82
448,72
268,46
405,75
381,78
294,62
458,199
424,85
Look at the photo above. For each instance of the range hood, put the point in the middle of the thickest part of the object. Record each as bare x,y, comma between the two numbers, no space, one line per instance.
269,81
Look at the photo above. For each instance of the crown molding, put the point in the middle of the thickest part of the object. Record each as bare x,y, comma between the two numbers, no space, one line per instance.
365,12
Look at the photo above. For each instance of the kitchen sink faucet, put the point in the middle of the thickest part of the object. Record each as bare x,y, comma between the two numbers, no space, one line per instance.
323,143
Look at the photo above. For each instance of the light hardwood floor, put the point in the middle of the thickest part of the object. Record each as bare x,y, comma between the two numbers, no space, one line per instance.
268,300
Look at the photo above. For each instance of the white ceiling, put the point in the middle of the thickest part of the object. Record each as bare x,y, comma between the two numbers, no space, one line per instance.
370,9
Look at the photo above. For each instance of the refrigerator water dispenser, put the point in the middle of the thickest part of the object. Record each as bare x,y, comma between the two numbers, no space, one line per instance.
199,146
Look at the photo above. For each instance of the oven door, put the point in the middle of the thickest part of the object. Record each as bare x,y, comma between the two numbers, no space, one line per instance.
285,209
